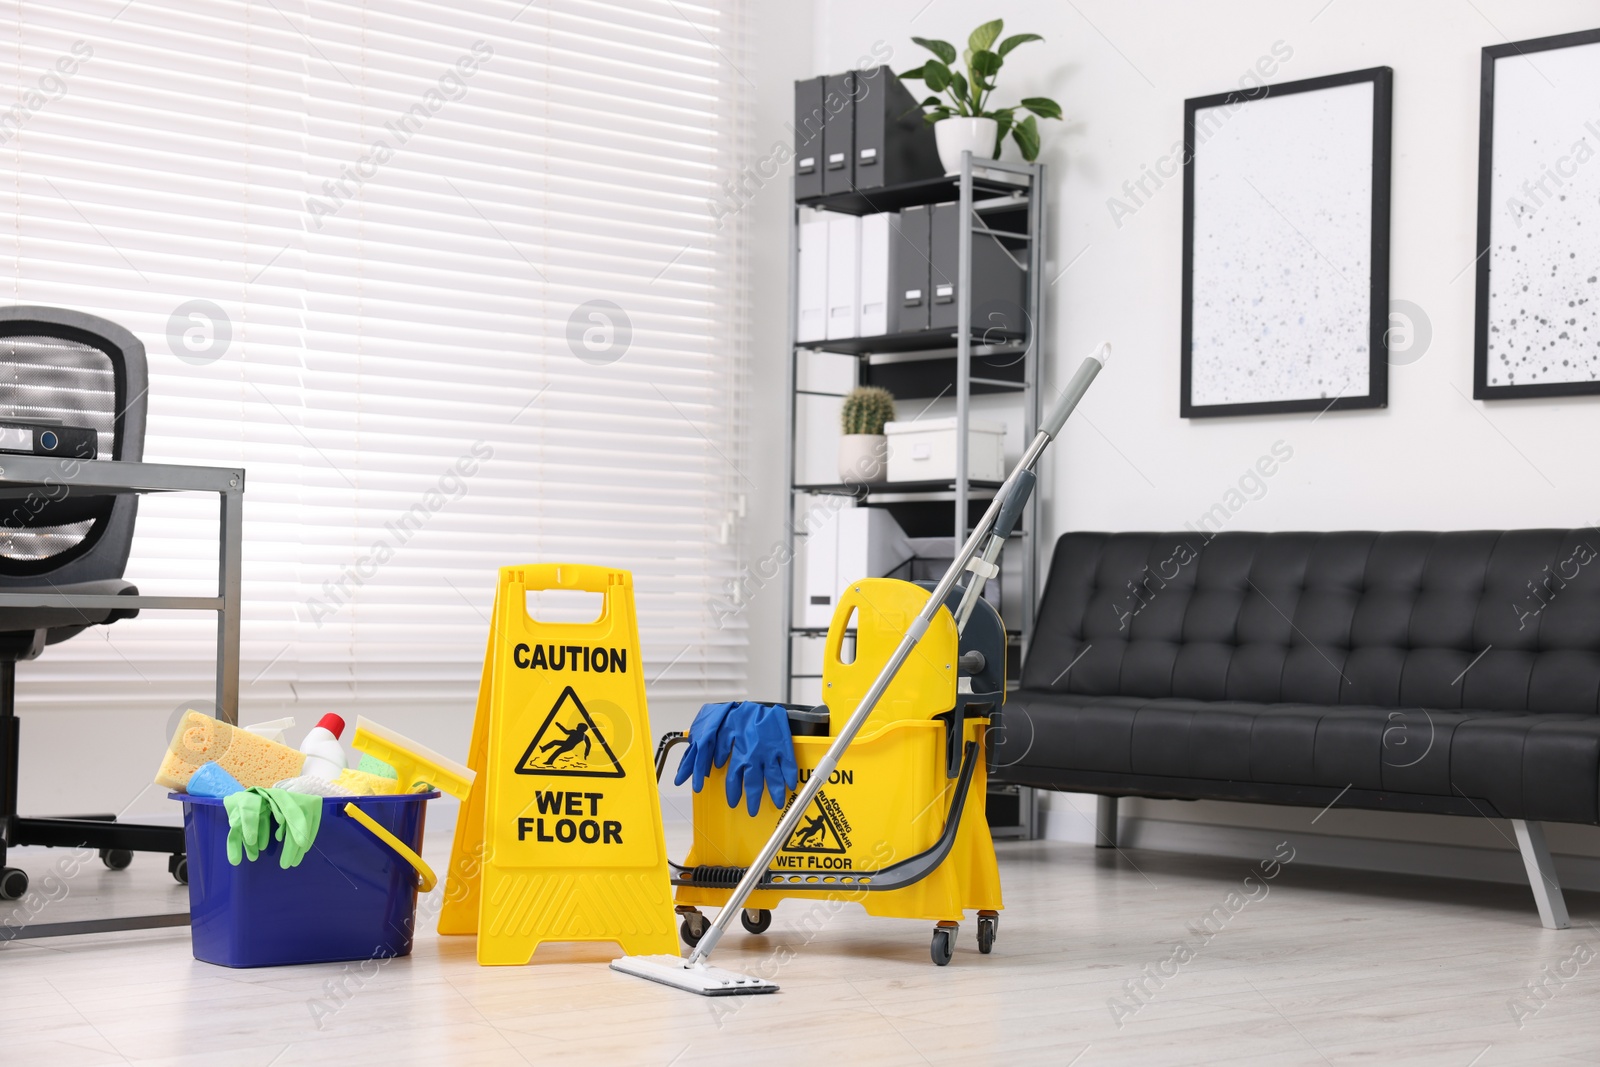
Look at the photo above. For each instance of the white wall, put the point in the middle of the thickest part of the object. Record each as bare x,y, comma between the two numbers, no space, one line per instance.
1434,459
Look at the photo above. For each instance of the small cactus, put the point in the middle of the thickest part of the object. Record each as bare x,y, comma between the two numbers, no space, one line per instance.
866,409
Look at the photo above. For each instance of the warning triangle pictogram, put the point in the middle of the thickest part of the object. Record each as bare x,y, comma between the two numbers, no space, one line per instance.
817,832
570,743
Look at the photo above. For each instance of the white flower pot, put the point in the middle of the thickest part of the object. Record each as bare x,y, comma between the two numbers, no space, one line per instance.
863,458
956,135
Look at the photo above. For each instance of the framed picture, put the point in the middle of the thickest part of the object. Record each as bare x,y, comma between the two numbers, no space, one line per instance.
1286,247
1538,312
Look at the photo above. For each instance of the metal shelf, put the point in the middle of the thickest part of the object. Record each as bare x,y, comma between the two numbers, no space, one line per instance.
958,363
943,343
928,191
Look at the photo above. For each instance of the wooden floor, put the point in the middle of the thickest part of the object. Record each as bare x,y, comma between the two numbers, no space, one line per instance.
1321,967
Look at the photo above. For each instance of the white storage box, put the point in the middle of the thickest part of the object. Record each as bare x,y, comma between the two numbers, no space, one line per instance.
925,450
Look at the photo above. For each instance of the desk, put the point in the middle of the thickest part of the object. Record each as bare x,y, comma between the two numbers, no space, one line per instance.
21,475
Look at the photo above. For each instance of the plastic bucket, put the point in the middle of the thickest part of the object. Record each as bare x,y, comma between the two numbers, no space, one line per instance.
353,896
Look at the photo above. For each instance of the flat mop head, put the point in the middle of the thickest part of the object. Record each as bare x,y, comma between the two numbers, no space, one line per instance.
694,978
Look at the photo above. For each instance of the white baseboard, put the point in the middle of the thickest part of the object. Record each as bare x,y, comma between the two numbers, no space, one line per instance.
1322,850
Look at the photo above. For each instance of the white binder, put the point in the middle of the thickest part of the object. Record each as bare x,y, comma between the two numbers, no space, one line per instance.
844,281
874,275
812,297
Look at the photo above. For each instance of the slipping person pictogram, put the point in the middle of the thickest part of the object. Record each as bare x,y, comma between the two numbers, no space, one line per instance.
823,830
570,742
578,734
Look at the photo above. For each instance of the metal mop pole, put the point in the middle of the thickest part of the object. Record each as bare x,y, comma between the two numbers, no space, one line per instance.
919,626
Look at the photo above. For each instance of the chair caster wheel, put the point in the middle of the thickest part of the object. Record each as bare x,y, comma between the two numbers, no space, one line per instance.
178,867
944,944
118,859
693,928
988,925
756,920
13,883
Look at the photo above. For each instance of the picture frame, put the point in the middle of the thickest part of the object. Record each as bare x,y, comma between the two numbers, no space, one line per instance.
1286,247
1538,181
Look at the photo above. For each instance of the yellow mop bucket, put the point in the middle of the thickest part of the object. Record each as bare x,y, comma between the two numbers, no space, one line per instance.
899,826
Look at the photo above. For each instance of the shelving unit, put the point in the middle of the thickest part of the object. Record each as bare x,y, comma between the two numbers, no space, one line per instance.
1007,201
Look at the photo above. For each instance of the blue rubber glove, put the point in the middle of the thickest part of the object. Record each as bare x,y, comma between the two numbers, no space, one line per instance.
763,754
709,744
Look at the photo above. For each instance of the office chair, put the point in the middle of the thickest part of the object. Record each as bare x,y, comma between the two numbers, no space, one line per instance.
76,370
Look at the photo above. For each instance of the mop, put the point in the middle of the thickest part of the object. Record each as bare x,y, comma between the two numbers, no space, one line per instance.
979,555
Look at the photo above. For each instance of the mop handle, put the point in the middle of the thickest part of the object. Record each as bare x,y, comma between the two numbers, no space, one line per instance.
919,626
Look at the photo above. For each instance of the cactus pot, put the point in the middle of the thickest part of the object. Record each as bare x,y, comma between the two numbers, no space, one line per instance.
863,458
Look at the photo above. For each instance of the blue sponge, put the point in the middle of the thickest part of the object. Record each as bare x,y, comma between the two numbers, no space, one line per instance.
212,781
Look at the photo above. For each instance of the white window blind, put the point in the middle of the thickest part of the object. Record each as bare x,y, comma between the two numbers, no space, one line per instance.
474,311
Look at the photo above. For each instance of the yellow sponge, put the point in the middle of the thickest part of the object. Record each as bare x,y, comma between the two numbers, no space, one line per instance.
252,760
367,785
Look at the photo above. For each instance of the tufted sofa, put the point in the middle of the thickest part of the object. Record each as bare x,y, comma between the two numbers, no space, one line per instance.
1455,673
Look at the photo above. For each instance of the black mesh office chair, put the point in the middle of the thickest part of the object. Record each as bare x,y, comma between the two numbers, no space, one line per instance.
78,370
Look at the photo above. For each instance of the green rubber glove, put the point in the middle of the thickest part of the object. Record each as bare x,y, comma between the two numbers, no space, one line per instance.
299,817
249,824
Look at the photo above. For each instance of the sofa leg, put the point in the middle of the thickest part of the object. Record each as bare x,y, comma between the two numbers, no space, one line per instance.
1541,875
1105,822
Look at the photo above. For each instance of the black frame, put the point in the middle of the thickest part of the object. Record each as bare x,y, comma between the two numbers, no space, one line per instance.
1377,395
1481,389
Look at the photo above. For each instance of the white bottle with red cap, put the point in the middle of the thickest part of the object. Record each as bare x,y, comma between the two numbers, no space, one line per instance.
324,754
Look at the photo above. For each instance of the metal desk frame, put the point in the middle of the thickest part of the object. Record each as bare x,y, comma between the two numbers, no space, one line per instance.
21,474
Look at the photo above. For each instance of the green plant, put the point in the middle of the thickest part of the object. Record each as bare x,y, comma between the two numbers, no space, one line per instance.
866,409
968,94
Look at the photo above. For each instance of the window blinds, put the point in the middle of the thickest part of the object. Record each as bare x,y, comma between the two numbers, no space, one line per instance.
443,279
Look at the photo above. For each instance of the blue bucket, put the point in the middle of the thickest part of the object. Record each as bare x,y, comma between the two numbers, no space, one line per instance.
352,897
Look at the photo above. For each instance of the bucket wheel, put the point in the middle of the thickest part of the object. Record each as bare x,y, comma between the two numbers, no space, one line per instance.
988,926
178,867
944,942
756,920
116,859
13,883
693,927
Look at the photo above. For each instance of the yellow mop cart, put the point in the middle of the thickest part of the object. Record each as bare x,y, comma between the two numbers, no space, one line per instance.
899,824
889,809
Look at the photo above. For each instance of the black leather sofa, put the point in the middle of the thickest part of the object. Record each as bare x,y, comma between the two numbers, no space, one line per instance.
1454,673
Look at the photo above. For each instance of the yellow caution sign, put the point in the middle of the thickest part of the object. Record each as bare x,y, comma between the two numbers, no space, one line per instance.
562,840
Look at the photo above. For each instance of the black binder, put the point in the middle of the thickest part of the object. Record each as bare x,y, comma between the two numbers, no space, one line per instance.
998,279
893,143
838,133
809,116
908,270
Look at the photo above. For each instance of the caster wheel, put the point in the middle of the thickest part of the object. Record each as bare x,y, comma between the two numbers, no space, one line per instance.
178,867
118,859
692,929
944,944
987,926
13,883
756,920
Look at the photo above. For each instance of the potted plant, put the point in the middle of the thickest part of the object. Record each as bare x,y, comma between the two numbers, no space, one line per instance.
864,450
963,119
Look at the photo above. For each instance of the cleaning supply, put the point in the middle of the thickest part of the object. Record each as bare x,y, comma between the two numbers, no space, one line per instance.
362,784
212,781
201,739
762,754
372,765
253,812
272,729
314,786
981,549
710,744
324,754
418,768
249,824
352,898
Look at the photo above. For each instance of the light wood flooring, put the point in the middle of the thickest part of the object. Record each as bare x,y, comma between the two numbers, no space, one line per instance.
1328,968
